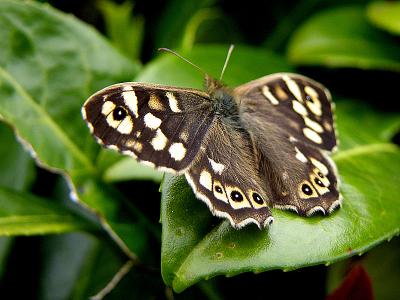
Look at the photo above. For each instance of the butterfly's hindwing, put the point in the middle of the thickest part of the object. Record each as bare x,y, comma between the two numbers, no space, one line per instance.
297,104
163,127
225,177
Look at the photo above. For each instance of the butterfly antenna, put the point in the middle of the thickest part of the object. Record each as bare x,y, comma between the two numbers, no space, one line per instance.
184,59
228,56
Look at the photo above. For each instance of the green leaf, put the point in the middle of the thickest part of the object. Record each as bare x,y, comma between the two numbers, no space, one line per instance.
129,169
16,166
124,30
342,37
25,214
47,71
385,15
381,126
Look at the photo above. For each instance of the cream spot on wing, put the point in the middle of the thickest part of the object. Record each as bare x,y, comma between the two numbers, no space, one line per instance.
267,94
315,108
313,125
151,121
219,192
280,92
306,190
217,167
129,143
177,151
256,200
206,180
320,166
293,87
300,156
127,87
90,126
322,177
311,91
159,141
130,153
111,122
173,103
107,108
155,103
126,126
327,126
112,147
138,146
319,185
299,108
131,102
312,135
240,201
314,104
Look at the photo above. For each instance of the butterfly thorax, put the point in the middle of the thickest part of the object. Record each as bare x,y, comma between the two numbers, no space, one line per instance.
224,103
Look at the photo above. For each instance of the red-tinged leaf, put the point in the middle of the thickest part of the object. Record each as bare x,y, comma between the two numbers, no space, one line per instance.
356,286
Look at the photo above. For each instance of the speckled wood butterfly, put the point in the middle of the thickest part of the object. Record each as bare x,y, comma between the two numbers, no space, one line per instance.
262,144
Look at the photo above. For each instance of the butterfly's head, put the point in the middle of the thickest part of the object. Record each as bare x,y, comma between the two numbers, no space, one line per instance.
212,85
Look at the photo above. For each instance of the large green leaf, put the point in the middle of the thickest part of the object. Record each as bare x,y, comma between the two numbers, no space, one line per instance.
342,37
25,214
49,64
202,246
385,15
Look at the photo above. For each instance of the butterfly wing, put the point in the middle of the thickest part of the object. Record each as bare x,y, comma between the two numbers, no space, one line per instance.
278,117
302,107
225,176
161,126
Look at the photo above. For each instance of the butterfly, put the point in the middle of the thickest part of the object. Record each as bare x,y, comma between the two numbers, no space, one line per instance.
263,144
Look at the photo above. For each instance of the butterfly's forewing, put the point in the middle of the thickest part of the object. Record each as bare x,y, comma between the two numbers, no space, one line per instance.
161,126
292,136
297,104
225,176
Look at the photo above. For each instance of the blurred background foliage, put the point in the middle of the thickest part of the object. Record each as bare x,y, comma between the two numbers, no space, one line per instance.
72,214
